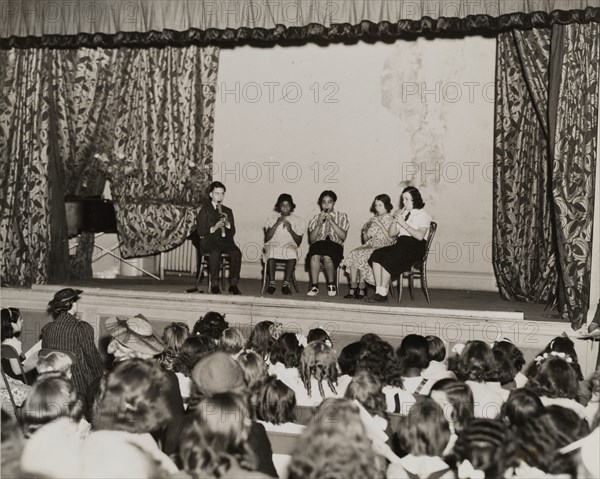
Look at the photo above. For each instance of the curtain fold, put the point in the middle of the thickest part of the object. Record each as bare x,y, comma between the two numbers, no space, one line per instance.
574,106
151,23
524,259
157,148
25,215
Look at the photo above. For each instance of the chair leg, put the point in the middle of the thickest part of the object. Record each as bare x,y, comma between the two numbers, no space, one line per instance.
264,283
424,285
391,288
411,286
400,287
294,282
223,269
200,273
337,281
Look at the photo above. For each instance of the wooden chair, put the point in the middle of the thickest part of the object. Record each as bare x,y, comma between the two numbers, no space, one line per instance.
279,266
8,352
202,264
418,270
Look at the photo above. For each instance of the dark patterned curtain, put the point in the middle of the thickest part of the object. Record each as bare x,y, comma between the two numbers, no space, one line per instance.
149,111
574,111
522,232
26,193
545,156
157,144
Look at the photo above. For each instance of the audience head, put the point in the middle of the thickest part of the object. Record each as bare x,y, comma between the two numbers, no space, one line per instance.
52,396
217,373
55,361
276,402
379,358
488,445
456,400
212,324
381,204
132,337
12,322
427,431
219,438
512,354
193,350
12,446
260,339
132,398
349,357
537,441
285,204
522,405
370,338
476,363
64,301
366,389
286,350
337,446
254,368
232,341
318,361
436,350
554,378
319,334
413,352
174,335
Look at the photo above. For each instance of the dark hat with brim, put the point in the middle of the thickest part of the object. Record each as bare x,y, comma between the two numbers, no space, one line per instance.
67,294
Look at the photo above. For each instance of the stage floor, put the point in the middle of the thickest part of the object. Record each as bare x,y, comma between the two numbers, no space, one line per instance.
440,298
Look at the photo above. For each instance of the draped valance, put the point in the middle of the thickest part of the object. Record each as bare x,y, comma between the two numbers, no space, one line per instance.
115,23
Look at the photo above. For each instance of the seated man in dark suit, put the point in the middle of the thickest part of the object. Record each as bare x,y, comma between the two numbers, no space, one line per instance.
216,229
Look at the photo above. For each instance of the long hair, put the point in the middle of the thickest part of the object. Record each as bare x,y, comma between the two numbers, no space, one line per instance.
260,339
52,396
318,361
460,397
349,356
212,324
427,430
366,389
174,336
218,437
193,350
232,341
276,402
413,352
132,398
379,358
286,350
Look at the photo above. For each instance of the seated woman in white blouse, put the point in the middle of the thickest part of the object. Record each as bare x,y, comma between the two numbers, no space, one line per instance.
411,225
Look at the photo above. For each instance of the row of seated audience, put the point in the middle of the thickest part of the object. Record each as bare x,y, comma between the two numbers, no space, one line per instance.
212,402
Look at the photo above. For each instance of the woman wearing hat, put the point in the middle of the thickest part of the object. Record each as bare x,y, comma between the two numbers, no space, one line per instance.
67,333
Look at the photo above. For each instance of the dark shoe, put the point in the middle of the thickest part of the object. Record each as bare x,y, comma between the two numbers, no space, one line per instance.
271,289
377,298
352,292
215,290
285,290
360,293
234,290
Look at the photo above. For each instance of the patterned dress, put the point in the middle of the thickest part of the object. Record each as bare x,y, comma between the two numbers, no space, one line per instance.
376,229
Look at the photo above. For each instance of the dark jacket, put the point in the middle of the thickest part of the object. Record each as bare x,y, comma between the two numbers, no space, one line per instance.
68,333
207,217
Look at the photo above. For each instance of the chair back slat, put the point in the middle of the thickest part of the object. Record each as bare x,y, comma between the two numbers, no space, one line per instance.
8,352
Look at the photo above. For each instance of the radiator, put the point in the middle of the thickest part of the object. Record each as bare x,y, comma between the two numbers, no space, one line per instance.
181,260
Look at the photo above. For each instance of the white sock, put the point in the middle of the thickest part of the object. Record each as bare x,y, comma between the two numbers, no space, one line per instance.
380,290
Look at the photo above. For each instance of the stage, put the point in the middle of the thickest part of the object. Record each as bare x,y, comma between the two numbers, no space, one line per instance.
453,315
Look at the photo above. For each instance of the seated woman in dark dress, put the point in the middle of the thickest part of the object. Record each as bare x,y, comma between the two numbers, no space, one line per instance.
411,225
326,234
